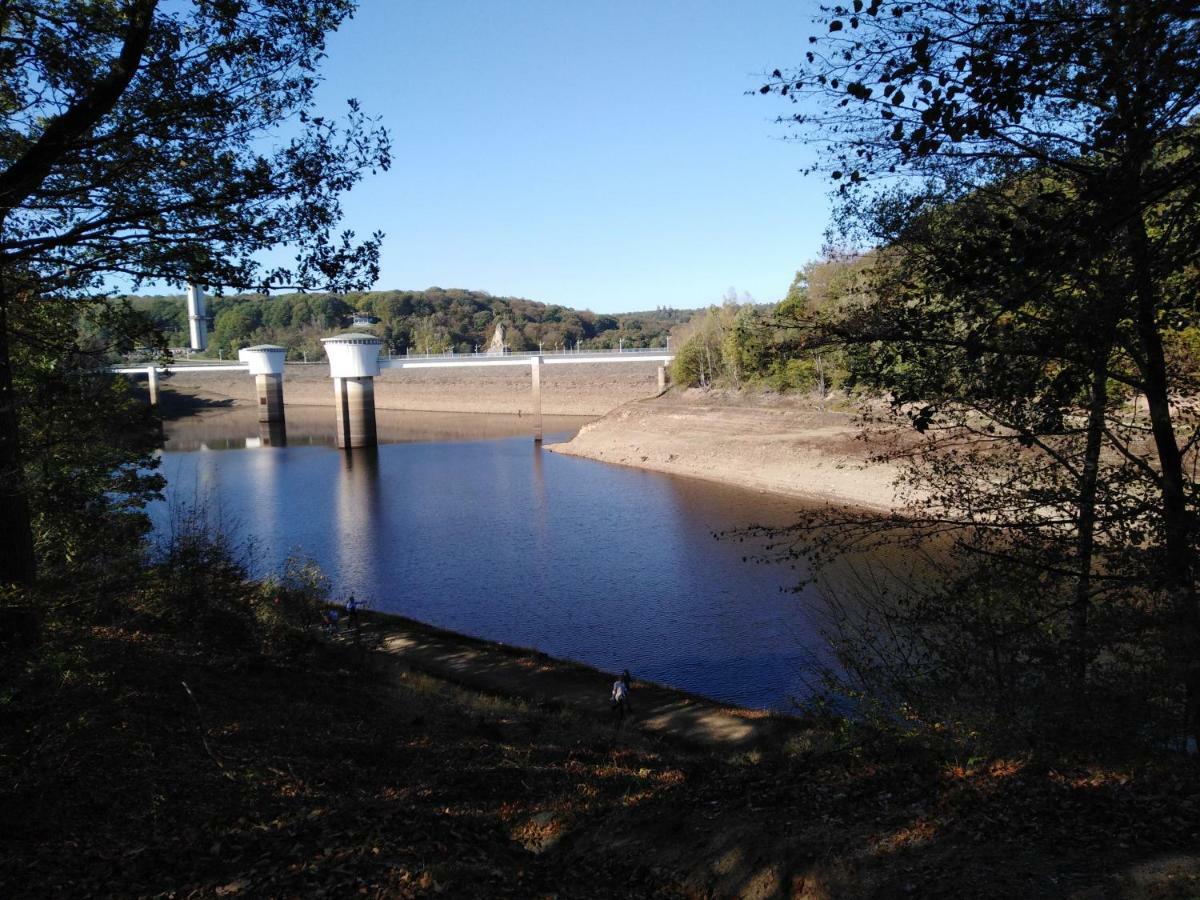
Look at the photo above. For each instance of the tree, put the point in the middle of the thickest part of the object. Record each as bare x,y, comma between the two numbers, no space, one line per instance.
1063,132
133,147
91,439
428,336
232,324
1026,464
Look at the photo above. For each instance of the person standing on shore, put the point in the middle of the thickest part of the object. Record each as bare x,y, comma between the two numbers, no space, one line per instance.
620,698
352,611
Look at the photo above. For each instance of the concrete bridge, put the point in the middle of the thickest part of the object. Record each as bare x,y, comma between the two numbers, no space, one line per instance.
354,361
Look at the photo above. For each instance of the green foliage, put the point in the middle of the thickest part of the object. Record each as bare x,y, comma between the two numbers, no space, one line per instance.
434,321
428,337
749,346
286,607
142,128
702,346
198,584
1038,273
234,325
90,441
201,584
176,142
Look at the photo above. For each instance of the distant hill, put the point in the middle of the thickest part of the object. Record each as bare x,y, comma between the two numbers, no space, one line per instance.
432,320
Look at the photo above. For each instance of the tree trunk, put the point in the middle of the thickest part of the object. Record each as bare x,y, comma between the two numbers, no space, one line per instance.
1177,530
820,382
17,562
1086,539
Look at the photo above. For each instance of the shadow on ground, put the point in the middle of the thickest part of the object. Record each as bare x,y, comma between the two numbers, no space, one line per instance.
174,405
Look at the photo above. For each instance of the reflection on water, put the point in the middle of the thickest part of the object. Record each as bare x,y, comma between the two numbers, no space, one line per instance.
238,429
358,500
609,565
271,434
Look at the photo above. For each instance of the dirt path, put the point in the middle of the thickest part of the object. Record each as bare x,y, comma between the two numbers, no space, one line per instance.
538,678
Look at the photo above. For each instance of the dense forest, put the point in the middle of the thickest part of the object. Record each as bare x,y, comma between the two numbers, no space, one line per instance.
429,321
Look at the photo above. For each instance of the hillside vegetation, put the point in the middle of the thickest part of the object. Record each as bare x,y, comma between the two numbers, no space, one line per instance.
763,346
429,321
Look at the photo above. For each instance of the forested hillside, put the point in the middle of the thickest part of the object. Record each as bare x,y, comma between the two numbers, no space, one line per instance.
432,320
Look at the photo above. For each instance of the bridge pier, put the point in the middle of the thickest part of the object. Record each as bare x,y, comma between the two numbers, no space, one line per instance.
152,384
269,391
662,378
353,365
354,399
535,372
265,363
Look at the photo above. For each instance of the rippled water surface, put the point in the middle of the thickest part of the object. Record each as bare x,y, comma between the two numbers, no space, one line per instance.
462,522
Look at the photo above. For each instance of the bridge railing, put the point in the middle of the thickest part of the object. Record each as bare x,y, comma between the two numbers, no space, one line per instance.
195,365
530,354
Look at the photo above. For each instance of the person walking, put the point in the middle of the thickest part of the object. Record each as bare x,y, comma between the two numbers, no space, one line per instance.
620,698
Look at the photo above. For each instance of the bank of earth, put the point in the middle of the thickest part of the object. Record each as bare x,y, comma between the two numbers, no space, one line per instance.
411,762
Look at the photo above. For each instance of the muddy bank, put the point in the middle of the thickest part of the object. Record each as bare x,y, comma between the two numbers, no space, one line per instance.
780,445
567,390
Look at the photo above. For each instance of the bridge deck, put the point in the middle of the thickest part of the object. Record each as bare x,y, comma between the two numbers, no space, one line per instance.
450,361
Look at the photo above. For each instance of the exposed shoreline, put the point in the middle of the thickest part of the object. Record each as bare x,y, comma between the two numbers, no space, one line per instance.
511,671
776,445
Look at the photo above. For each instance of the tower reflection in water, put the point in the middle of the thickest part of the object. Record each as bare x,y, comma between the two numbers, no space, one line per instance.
272,434
267,480
361,532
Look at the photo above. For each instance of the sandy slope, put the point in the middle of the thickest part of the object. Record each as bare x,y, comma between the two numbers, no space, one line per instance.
767,443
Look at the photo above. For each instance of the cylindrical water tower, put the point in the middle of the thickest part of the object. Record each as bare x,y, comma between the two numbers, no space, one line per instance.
197,319
266,365
353,365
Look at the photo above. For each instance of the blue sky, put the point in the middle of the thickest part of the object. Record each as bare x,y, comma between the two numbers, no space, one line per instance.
596,155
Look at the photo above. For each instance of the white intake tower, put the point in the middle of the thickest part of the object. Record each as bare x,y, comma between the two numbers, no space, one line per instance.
353,365
265,363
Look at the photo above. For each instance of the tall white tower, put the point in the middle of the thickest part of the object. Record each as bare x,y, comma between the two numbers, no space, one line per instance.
197,321
353,365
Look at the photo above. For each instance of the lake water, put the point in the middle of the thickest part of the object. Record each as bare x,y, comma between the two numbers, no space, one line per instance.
462,522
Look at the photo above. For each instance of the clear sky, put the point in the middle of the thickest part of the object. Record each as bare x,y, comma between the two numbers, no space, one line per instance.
600,155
